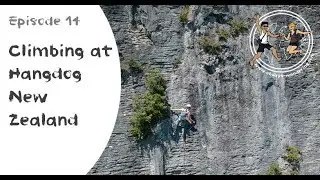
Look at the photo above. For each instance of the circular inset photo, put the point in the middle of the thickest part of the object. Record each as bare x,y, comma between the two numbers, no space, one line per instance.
282,43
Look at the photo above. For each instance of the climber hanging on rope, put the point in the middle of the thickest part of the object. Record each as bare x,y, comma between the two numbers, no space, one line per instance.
184,116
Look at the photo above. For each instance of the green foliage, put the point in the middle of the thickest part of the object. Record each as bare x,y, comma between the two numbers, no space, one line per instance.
274,169
294,172
135,65
183,16
292,154
149,107
131,65
176,63
155,82
238,26
223,34
209,45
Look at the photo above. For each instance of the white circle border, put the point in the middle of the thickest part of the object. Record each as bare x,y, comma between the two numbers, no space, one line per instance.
302,61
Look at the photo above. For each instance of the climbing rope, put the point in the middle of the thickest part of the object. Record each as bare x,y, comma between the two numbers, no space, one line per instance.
183,138
184,157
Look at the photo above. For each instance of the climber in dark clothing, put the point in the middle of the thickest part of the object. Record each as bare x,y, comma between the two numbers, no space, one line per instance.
294,36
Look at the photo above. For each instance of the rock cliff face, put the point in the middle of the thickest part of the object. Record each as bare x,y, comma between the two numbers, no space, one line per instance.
245,118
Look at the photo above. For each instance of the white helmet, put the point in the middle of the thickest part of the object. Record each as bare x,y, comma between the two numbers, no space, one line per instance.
188,105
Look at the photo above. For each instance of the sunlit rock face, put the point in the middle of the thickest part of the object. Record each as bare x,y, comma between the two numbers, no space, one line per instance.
245,118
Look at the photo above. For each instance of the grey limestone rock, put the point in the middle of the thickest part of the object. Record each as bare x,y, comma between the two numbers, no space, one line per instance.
245,118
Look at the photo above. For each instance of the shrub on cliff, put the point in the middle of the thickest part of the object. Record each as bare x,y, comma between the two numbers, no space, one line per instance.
209,45
238,26
155,82
149,107
132,65
274,169
223,34
183,16
292,154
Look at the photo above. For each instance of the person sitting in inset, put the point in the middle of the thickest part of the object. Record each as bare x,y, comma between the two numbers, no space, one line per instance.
294,36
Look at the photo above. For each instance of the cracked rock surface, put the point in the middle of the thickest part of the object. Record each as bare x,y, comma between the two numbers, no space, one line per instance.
245,118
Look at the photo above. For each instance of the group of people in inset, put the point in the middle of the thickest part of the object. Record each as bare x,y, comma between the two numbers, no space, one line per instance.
294,36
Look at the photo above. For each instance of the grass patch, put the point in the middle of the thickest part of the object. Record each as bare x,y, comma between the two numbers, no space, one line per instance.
149,107
238,26
294,172
274,169
292,155
209,45
223,34
183,16
131,65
